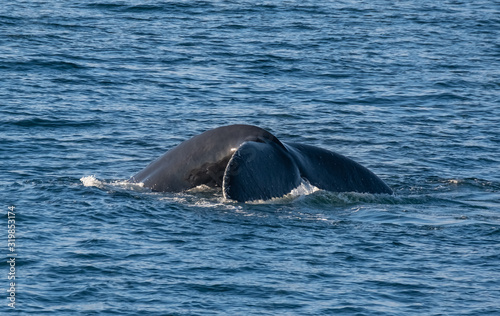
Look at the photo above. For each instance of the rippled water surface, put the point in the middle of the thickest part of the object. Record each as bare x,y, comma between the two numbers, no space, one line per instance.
92,91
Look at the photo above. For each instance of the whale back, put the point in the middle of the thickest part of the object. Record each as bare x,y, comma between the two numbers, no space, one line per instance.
200,160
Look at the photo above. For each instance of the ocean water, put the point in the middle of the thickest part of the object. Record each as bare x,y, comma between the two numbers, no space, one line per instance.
92,91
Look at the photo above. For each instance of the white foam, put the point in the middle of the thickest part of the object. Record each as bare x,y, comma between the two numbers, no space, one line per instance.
305,188
201,188
129,185
201,197
91,181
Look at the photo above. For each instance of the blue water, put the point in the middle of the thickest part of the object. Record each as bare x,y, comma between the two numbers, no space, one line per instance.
95,90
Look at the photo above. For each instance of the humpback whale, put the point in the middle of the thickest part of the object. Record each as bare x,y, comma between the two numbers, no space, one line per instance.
249,163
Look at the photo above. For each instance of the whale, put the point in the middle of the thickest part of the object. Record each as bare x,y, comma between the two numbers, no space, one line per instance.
249,164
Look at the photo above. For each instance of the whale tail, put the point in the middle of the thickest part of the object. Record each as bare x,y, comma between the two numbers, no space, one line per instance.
250,163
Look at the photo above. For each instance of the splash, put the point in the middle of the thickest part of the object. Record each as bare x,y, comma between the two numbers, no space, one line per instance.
91,181
124,184
305,188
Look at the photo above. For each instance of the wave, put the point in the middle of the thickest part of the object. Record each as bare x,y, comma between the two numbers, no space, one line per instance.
469,193
53,122
147,8
29,65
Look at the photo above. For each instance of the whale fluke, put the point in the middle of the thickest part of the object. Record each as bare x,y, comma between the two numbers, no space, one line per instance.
249,164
